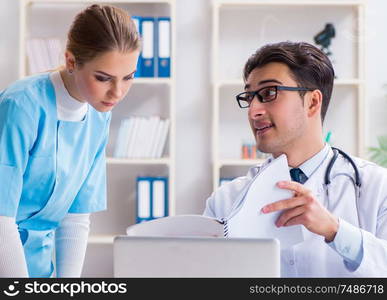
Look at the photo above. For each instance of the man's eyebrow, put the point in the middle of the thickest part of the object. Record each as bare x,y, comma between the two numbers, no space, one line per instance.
106,74
247,86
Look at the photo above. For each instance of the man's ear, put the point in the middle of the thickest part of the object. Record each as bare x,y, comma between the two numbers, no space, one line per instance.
314,102
70,61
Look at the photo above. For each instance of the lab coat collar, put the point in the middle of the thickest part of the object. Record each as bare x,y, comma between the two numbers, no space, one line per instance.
315,182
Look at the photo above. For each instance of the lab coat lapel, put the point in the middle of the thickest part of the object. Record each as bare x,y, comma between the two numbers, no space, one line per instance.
315,182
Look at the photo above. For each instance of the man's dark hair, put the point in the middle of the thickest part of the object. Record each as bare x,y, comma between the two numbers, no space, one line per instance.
308,65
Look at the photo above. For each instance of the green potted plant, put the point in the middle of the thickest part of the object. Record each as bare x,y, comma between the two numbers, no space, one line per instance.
379,154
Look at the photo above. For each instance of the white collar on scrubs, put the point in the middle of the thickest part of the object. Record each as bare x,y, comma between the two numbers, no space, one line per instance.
68,108
311,165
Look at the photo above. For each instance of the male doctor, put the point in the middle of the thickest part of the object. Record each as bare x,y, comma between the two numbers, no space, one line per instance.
288,87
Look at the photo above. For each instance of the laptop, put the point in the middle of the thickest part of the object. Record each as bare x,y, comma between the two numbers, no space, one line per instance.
140,256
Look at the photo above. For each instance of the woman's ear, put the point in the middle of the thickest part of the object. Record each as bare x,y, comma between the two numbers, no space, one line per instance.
70,61
314,102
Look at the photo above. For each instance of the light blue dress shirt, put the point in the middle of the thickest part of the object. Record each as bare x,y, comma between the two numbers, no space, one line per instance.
348,241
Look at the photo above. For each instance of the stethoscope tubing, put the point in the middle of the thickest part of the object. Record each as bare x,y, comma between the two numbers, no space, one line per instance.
336,153
356,180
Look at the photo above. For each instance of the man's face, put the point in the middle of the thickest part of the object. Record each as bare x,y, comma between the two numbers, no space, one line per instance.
280,125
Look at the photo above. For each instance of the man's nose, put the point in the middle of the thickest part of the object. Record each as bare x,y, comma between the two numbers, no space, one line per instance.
256,108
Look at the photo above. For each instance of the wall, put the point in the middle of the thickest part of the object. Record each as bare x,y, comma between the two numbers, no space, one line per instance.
193,106
193,153
9,41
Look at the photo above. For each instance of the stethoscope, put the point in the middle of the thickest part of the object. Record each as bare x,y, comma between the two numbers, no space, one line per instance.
356,181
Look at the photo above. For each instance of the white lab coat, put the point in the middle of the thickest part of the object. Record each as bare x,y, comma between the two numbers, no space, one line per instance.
314,257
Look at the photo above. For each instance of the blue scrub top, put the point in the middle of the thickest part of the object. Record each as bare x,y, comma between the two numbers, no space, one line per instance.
48,167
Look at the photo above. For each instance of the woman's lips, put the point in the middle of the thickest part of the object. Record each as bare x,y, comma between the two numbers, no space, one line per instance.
108,103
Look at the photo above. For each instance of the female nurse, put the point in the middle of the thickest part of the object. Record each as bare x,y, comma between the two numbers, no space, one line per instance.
53,133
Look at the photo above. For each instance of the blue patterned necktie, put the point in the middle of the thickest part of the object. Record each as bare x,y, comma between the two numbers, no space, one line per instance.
297,175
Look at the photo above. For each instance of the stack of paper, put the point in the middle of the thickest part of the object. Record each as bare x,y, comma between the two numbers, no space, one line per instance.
180,225
248,221
142,137
44,54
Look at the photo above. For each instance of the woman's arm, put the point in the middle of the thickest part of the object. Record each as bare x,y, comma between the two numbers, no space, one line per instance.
71,243
12,259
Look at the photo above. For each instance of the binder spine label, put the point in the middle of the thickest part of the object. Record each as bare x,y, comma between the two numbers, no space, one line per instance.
147,32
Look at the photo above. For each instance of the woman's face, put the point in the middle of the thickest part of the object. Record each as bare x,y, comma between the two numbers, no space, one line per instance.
105,80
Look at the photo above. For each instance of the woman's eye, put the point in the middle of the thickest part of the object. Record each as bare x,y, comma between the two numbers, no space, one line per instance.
129,77
101,78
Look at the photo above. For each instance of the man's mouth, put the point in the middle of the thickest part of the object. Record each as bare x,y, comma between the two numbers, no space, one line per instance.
261,129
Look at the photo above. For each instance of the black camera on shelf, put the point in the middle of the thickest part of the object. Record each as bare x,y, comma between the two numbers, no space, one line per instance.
324,37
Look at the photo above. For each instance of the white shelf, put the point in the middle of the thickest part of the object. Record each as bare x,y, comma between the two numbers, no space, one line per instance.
104,1
240,162
286,3
343,82
129,161
144,80
101,239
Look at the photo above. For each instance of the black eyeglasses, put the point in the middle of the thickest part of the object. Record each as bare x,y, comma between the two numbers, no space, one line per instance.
265,94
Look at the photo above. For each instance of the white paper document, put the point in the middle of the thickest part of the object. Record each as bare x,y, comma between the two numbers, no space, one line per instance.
248,220
180,225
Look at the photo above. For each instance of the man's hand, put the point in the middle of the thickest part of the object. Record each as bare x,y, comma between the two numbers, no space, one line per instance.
304,209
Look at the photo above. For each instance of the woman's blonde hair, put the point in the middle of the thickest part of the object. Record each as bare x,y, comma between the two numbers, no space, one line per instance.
99,29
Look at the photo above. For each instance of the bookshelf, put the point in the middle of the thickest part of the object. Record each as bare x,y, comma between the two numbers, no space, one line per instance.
241,27
147,97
